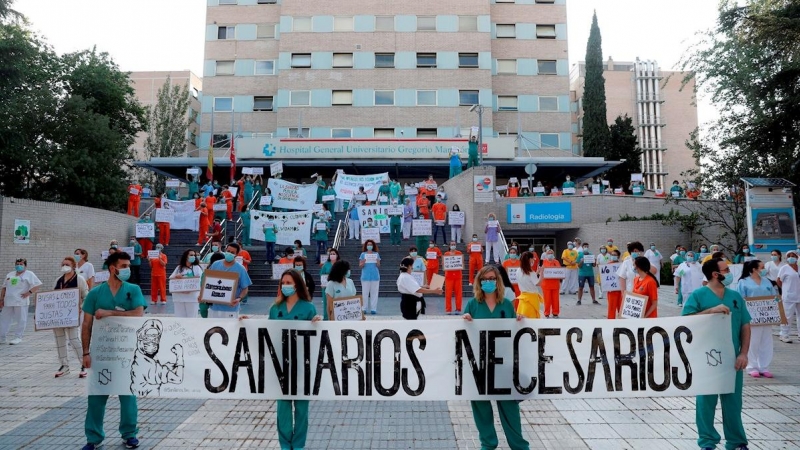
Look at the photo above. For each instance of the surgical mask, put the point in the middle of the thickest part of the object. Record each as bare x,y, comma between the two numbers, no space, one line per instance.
66,269
215,248
652,247
550,256
488,286
452,247
19,267
635,255
115,246
369,248
430,245
774,258
132,242
146,217
690,258
124,274
683,252
530,249
513,256
585,249
603,250
568,178
614,258
727,280
229,257
77,257
347,274
474,239
703,250
158,247
610,243
791,260
192,259
298,268
332,257
745,250
763,272
413,254
570,246
288,290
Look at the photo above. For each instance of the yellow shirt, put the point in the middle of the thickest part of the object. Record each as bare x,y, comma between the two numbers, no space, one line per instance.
570,258
611,248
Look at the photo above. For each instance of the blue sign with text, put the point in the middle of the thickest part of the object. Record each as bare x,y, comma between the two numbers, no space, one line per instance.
540,212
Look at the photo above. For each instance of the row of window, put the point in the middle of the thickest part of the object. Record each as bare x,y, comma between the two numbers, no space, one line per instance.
273,2
386,61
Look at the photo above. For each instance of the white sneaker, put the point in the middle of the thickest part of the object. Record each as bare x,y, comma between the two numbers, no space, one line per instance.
785,339
16,341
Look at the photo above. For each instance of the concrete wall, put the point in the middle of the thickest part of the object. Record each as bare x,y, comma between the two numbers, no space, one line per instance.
56,231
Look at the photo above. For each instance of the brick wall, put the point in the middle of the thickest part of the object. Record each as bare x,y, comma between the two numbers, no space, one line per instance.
56,231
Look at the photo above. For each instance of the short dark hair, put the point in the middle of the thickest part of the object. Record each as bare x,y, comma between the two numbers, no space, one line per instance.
115,257
299,259
711,266
234,245
338,271
634,246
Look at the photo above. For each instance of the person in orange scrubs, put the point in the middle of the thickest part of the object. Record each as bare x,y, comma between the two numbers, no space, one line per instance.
134,199
163,227
475,259
158,276
432,256
453,283
512,264
423,204
439,211
204,223
550,286
513,190
226,194
646,283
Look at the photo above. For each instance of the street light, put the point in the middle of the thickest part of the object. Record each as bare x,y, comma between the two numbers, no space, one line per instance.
479,109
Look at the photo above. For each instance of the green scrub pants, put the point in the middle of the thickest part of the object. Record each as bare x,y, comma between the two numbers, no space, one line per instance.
422,243
292,425
731,418
395,232
204,310
96,411
473,159
509,418
246,235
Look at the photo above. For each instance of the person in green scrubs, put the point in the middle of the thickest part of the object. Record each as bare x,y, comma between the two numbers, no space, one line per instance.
118,298
293,303
716,298
245,216
569,184
472,152
489,303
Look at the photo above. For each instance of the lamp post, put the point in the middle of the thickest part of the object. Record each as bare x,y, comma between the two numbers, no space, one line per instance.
479,109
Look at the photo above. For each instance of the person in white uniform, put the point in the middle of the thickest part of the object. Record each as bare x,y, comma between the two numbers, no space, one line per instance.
789,282
754,283
186,302
655,258
18,289
774,265
688,275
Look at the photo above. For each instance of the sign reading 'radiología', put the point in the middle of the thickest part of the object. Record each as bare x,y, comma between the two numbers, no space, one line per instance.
400,360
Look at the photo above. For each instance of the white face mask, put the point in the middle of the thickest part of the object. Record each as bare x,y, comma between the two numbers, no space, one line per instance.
66,269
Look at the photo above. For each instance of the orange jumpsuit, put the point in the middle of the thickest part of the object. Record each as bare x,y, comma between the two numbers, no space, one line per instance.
163,227
228,203
158,278
453,284
513,264
432,264
614,303
513,191
134,199
648,287
240,195
246,258
203,226
475,260
423,206
550,288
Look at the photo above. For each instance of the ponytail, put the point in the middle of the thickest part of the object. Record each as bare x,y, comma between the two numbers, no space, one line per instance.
654,278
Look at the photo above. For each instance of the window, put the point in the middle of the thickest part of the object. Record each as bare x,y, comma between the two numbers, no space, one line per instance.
467,23
301,59
343,23
265,67
265,31
468,60
384,98
426,23
224,33
507,66
467,98
426,132
546,1
426,60
342,60
384,23
342,98
223,104
548,103
267,2
299,98
384,60
262,103
299,132
545,31
426,98
227,2
506,30
507,103
549,140
547,67
224,68
301,24
341,133
384,133
504,1
221,140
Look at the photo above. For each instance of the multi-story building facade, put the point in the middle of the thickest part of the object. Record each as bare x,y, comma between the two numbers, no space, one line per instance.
662,109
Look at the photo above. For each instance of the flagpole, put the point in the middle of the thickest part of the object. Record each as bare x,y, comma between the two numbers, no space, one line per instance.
210,167
232,149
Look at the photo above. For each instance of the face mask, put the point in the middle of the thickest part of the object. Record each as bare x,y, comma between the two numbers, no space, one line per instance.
491,217
745,250
474,239
192,259
452,247
66,269
568,178
146,217
690,258
332,258
791,260
132,242
652,247
488,286
77,257
430,246
763,272
703,250
683,252
530,249
635,255
124,274
215,248
413,254
550,256
159,248
610,243
774,258
602,250
229,257
114,246
369,248
298,268
347,274
614,258
727,280
585,249
513,256
19,267
287,290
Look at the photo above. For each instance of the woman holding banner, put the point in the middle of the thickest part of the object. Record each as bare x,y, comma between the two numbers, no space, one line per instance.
186,301
70,280
645,283
370,262
339,284
754,283
487,304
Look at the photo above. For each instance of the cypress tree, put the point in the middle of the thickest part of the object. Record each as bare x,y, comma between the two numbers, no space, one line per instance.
596,136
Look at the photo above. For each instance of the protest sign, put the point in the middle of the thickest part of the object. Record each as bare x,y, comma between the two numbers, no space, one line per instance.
634,306
145,230
323,280
266,200
595,189
164,215
153,254
328,198
475,248
410,191
184,216
101,276
133,191
394,211
492,224
419,277
276,168
538,189
437,281
554,272
193,171
173,182
636,177
608,277
347,309
370,233
186,284
453,262
421,227
370,258
568,190
765,311
291,226
220,207
57,309
513,274
279,269
288,195
456,217
129,251
347,185
219,286
378,214
588,259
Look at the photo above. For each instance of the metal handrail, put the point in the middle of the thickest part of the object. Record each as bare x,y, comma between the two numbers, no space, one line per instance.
502,238
339,237
148,210
207,246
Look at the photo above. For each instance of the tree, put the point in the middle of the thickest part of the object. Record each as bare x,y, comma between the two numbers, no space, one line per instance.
623,145
595,125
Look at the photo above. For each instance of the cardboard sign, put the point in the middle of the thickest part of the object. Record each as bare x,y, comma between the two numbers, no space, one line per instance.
394,211
347,309
220,207
765,311
101,277
453,262
456,217
164,215
619,191
492,224
431,255
279,269
568,190
554,273
219,287
437,281
193,171
328,198
595,189
421,227
134,191
370,258
145,230
173,182
186,284
383,199
439,223
588,259
608,277
513,274
605,182
321,226
153,254
371,233
266,200
410,191
636,177
419,277
276,168
323,280
57,309
634,306
475,248
234,190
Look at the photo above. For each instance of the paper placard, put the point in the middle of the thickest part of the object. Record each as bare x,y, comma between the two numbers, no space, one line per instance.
220,207
101,277
219,287
247,170
257,170
421,227
636,177
608,277
765,311
317,207
371,233
568,190
554,273
513,180
57,309
360,197
185,284
279,269
164,215
153,254
453,262
437,281
276,168
321,226
634,306
266,200
328,198
501,188
513,274
129,251
588,259
419,277
173,182
410,191
193,171
676,194
524,184
323,280
475,248
297,253
239,259
394,211
637,189
595,189
134,191
234,190
347,309
538,189
431,255
145,230
492,224
618,191
370,258
383,199
323,258
456,217
438,223
605,182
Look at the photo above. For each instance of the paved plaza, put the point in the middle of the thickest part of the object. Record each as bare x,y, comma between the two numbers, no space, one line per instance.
40,411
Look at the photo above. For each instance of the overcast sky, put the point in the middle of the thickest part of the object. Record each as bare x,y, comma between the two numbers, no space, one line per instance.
169,34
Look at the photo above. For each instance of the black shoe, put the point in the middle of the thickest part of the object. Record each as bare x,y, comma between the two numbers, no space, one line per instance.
579,303
595,302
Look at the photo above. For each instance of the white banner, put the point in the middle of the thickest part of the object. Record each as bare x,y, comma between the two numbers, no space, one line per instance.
347,185
165,215
184,216
429,360
378,214
291,226
289,195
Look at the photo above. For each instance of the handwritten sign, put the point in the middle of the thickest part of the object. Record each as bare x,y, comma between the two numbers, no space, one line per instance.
634,306
676,194
101,277
145,230
439,223
431,255
360,197
153,254
266,200
164,215
394,211
370,233
421,227
276,168
186,284
636,177
219,287
57,309
134,191
765,311
323,259
279,269
492,224
568,190
554,272
383,199
328,198
129,251
475,248
321,226
538,189
410,191
608,277
173,182
419,277
370,258
513,274
588,259
323,280
347,309
453,262
595,189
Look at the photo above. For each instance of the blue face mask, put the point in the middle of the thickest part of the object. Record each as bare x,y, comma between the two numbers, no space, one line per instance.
513,256
727,280
413,254
635,255
298,268
774,258
229,257
288,290
124,274
369,248
614,258
488,286
791,260
215,248
683,253
192,259
347,274
19,267
77,257
763,272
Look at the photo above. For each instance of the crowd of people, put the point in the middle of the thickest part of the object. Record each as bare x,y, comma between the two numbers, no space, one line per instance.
526,187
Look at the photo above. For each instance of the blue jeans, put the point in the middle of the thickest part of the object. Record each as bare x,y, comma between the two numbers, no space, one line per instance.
436,232
270,252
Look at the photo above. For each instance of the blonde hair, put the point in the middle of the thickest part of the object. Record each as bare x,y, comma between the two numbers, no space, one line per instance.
478,293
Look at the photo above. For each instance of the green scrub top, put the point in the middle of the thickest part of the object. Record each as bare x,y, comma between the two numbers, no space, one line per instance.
704,298
270,233
326,268
129,297
303,310
479,310
137,250
320,235
585,270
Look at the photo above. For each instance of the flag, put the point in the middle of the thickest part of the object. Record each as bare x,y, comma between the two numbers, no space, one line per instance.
210,168
233,160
